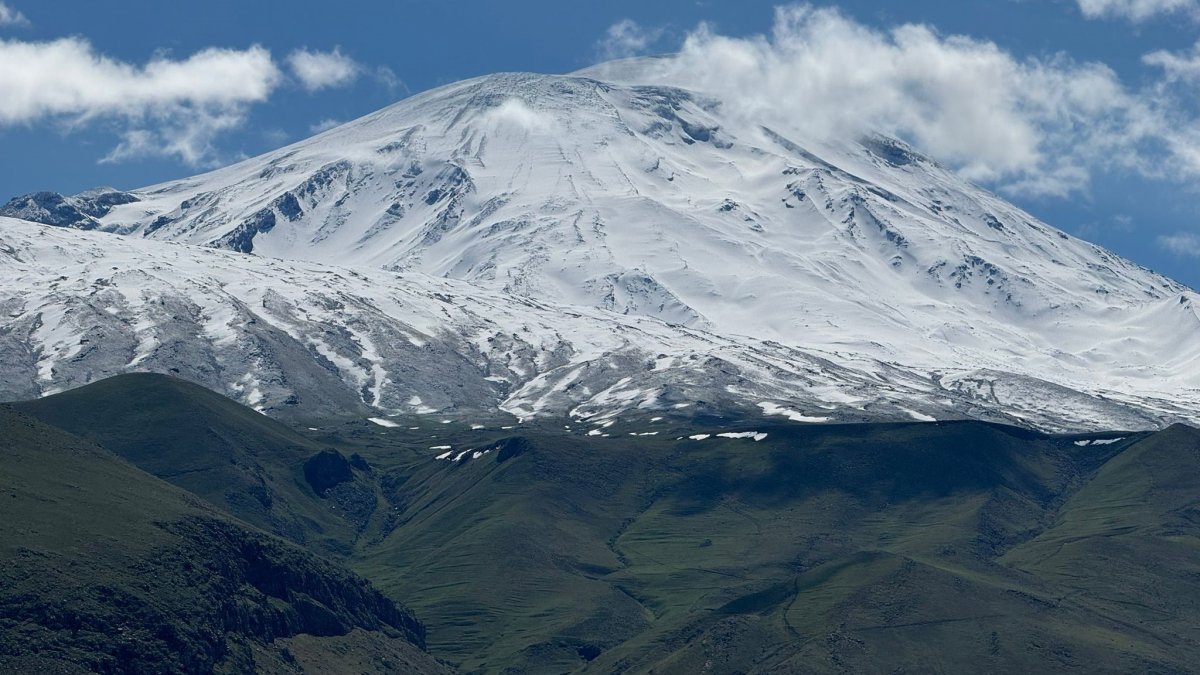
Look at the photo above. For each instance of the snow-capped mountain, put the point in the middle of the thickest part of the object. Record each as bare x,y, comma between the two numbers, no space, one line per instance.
586,197
310,340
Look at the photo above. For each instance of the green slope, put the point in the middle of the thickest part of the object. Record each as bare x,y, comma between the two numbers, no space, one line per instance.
244,462
946,547
108,569
873,548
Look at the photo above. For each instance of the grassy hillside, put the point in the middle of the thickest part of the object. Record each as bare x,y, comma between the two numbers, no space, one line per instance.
244,462
944,547
108,569
874,548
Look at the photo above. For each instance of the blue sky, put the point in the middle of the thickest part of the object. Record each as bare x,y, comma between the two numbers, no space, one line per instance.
364,55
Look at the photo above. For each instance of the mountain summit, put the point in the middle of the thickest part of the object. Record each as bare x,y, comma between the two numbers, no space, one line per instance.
842,278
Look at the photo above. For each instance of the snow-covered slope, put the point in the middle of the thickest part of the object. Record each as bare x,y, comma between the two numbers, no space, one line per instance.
310,340
653,201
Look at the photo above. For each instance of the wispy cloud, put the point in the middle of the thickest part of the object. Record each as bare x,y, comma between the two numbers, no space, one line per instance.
324,125
186,134
11,17
388,79
1035,126
275,136
627,38
323,70
1137,11
515,113
1176,65
1181,243
1117,223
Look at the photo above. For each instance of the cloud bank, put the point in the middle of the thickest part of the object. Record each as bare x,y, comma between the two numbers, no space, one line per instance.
172,108
67,77
166,107
1038,127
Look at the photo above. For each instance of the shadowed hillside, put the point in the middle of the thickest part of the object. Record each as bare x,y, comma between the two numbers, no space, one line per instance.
246,463
108,569
685,544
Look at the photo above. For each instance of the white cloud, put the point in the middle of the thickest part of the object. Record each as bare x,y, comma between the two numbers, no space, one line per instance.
66,77
11,17
1176,65
324,125
626,38
1181,243
1034,126
388,79
514,113
1136,10
323,70
187,135
165,107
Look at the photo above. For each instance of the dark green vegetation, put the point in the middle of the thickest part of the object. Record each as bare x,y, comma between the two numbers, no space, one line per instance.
946,547
232,456
108,569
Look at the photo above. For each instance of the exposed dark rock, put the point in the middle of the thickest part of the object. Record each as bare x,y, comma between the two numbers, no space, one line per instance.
289,206
589,652
49,208
890,151
326,470
355,500
241,239
81,211
510,447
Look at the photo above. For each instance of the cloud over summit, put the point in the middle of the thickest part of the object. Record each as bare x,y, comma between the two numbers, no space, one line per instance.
1036,126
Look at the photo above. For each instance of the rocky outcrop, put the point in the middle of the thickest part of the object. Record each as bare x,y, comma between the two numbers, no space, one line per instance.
81,212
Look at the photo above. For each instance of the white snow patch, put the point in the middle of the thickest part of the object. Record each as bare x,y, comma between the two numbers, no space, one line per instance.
1098,441
757,436
383,423
776,409
920,417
